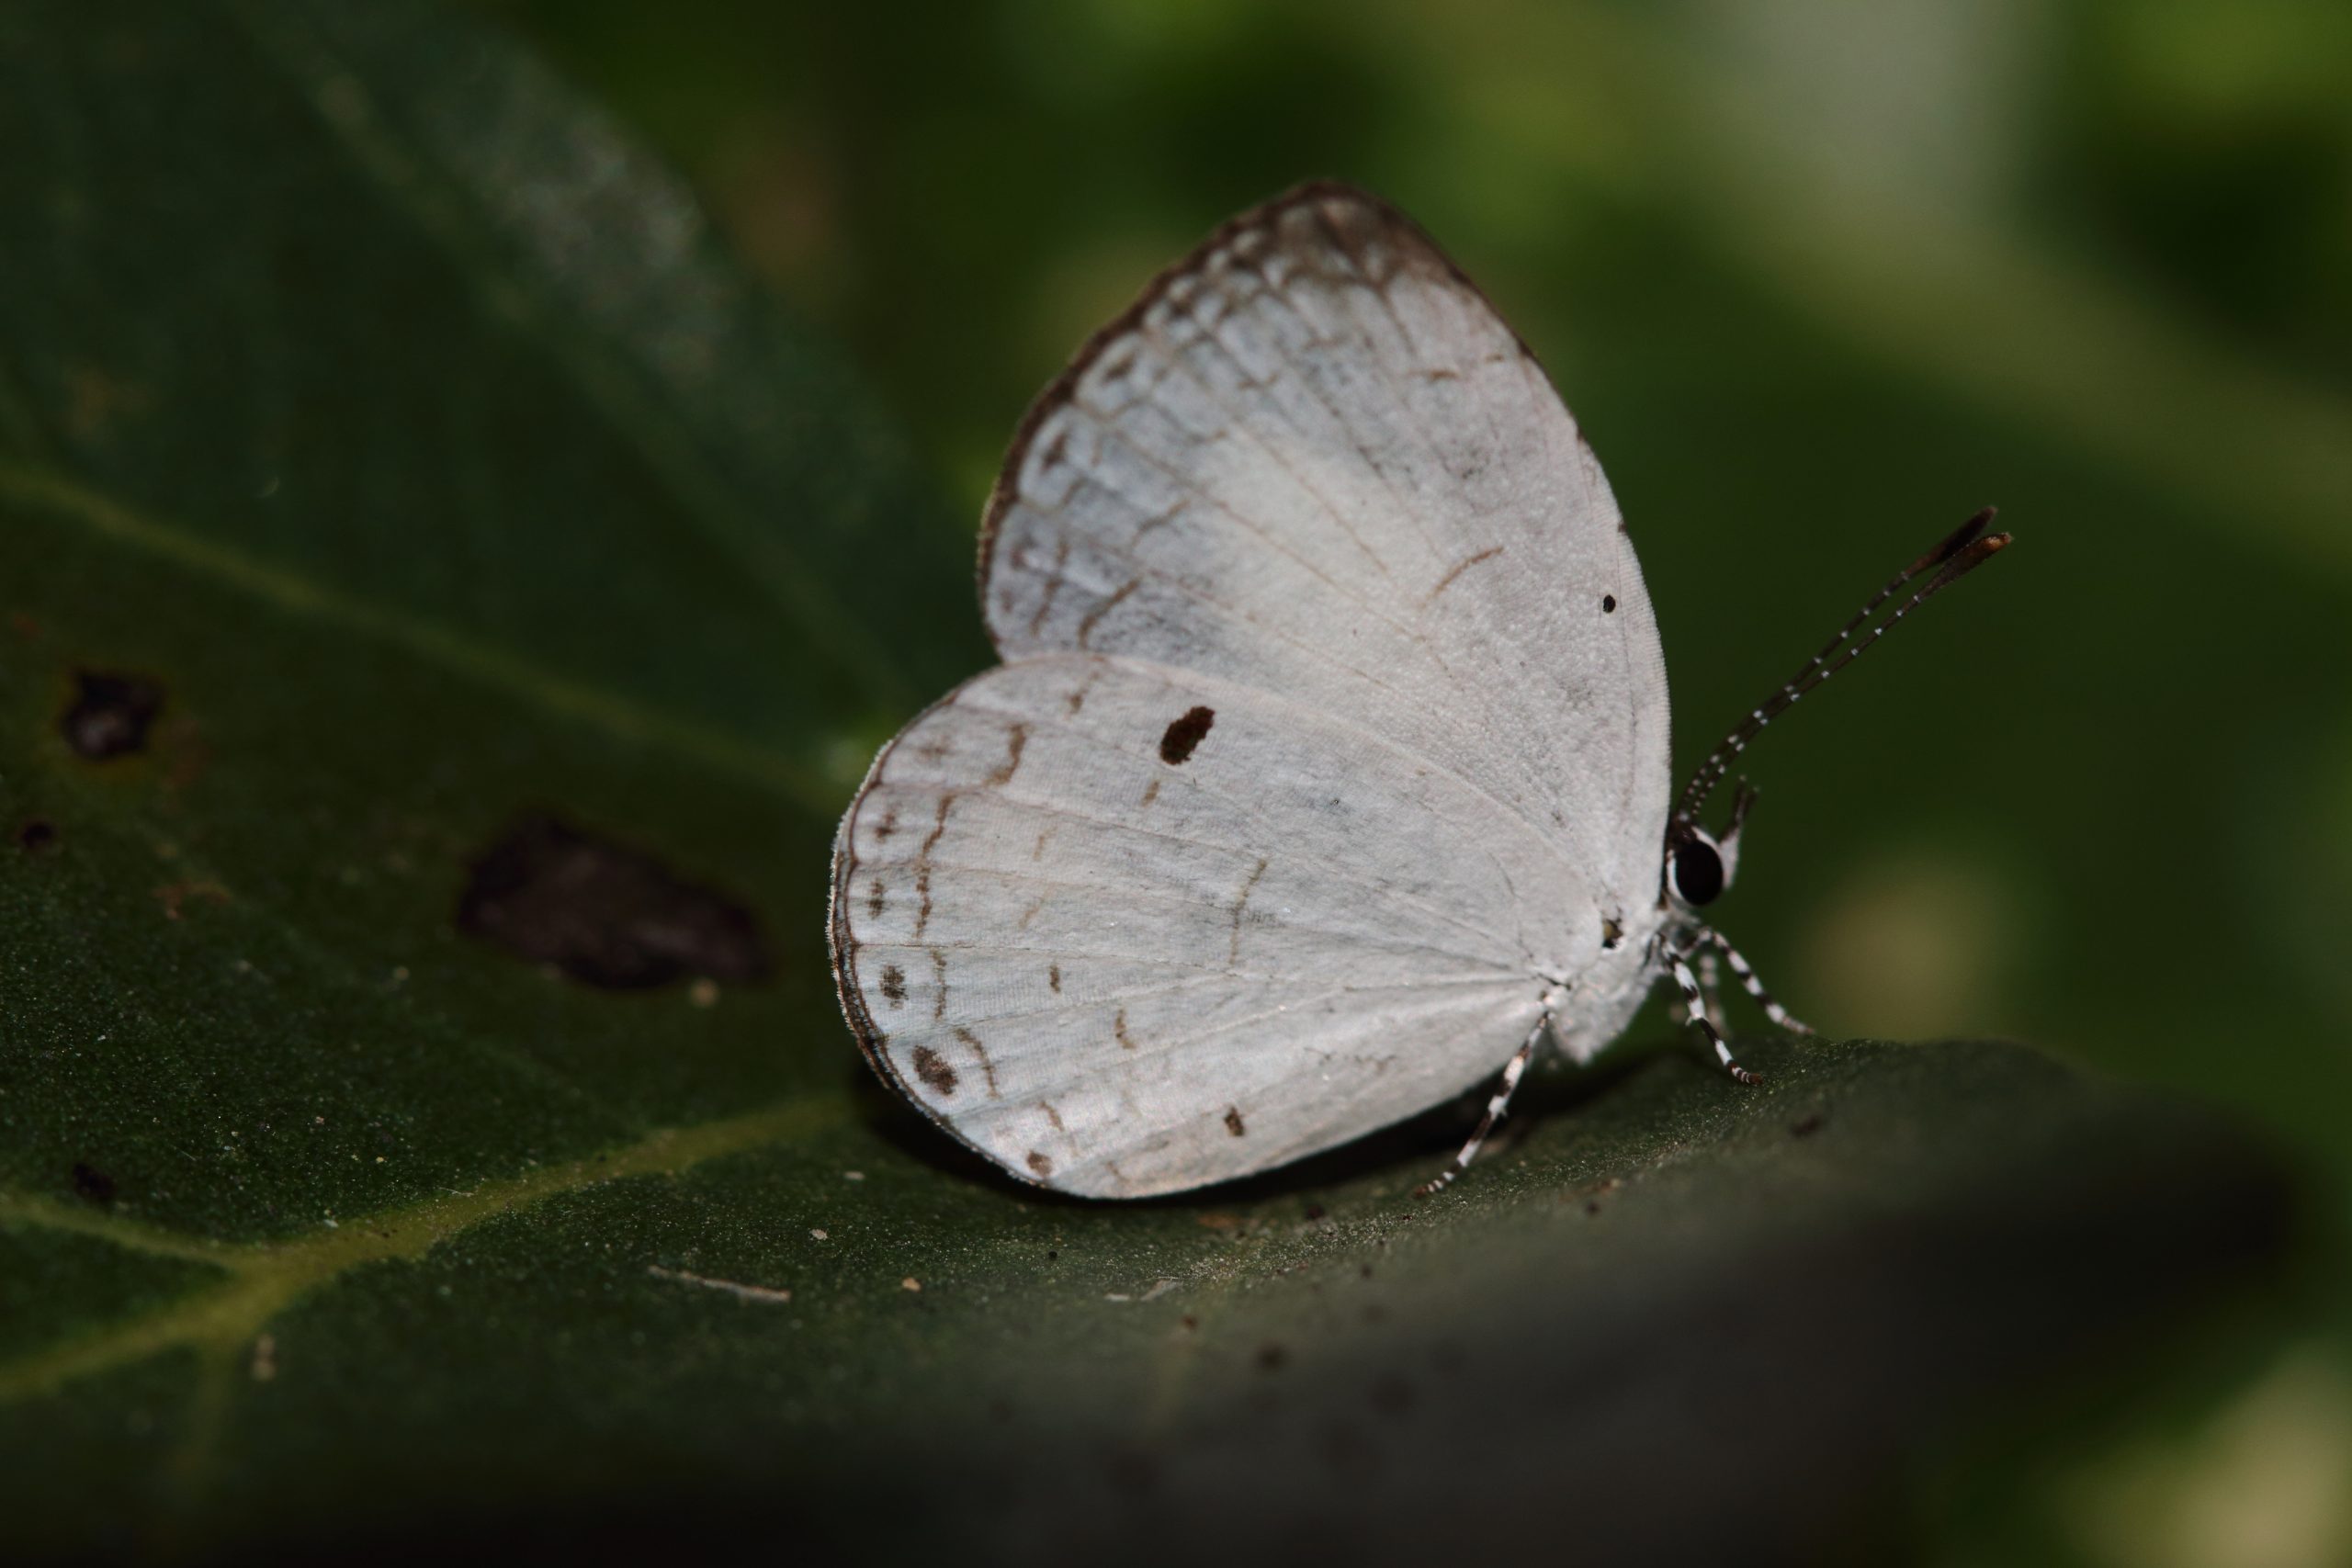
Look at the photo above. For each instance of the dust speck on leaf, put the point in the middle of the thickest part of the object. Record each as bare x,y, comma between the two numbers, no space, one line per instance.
603,914
93,1183
110,715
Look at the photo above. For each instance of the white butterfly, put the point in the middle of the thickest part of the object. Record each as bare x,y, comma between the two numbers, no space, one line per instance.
1327,769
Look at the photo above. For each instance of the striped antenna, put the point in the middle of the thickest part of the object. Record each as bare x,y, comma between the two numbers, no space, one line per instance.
1967,548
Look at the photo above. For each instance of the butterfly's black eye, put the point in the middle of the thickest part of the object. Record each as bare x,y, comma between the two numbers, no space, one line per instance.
1698,873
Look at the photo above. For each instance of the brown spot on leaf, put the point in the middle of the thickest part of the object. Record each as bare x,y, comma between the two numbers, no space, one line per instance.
110,715
894,984
603,914
933,1069
176,896
92,1183
1184,733
1233,1120
1040,1163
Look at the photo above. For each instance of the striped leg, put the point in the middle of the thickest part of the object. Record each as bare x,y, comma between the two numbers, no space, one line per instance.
1512,1071
1755,987
1705,1025
1710,992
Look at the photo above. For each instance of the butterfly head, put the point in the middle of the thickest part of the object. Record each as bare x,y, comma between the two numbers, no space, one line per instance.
1699,865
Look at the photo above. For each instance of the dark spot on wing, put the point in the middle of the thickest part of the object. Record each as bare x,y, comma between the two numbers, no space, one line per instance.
1233,1120
92,1183
603,914
894,984
933,1069
1613,931
1054,977
110,715
1040,1163
1119,1028
887,825
1609,603
1055,450
1151,790
1184,733
36,835
874,899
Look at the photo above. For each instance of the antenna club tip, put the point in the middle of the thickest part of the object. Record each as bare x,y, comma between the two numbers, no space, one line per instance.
1993,542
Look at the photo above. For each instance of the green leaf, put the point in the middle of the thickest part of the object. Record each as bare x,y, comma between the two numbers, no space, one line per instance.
445,607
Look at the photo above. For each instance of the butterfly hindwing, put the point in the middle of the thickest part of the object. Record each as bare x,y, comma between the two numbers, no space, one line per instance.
1094,915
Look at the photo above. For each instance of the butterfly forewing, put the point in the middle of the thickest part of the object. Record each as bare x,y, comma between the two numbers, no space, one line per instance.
1314,459
1333,720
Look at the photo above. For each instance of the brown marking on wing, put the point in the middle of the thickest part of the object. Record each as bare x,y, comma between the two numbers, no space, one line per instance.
1094,616
934,1070
1040,1164
1039,853
1233,1121
1119,1028
923,862
1489,553
894,984
938,982
1061,557
874,899
887,825
1233,954
1054,977
1184,734
987,1068
1152,790
1015,740
1051,1114
1030,913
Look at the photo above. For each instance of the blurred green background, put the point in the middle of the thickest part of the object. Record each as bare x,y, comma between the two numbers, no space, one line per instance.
1818,280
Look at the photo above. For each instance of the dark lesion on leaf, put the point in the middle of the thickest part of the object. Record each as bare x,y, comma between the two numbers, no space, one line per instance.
92,1183
110,715
604,914
1184,733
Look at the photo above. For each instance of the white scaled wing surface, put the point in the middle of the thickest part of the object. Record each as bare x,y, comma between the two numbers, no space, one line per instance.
1331,734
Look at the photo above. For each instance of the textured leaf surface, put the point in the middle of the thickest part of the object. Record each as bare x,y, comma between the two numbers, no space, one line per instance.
443,610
